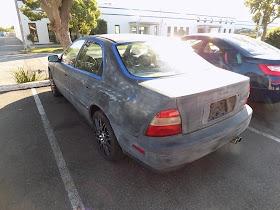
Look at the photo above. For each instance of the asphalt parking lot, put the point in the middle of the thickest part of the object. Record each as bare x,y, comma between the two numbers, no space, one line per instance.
37,174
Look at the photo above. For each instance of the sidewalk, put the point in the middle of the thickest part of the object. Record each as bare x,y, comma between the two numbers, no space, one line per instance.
34,61
11,59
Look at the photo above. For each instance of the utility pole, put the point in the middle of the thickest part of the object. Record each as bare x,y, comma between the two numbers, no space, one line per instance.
21,28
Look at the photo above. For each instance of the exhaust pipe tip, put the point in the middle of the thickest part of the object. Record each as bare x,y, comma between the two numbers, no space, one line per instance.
236,140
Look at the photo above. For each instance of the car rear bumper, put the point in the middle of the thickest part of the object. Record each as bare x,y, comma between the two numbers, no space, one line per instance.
172,152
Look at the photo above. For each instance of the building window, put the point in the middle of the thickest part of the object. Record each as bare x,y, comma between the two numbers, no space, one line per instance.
221,21
33,31
187,30
211,20
175,30
225,30
143,30
229,31
205,19
198,19
168,31
200,30
133,29
117,29
155,31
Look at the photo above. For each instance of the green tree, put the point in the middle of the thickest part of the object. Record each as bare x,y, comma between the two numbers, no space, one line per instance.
58,13
85,14
101,27
81,15
268,9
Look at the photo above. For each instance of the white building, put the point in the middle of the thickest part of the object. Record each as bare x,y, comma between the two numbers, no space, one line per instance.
126,20
162,23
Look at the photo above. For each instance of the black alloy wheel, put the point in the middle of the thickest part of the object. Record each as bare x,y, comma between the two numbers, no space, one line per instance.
105,138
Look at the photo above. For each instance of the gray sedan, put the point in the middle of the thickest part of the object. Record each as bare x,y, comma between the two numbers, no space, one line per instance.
151,98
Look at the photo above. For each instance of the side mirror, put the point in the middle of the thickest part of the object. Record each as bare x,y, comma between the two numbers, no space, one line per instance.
53,58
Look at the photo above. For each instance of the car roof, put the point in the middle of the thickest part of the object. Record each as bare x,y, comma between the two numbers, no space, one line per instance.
216,35
120,38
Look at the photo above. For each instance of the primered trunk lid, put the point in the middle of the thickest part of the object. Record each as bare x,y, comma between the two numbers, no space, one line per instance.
201,93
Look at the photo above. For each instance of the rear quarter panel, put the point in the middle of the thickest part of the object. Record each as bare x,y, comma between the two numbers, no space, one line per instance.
128,106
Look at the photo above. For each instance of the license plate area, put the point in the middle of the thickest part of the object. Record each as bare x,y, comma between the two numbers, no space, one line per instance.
221,108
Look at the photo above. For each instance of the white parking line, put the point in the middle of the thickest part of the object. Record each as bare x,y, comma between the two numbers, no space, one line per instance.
264,134
72,192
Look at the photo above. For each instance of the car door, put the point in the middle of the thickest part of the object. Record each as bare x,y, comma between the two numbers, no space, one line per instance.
87,75
63,68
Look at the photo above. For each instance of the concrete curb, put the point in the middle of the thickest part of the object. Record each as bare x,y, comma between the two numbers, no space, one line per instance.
23,86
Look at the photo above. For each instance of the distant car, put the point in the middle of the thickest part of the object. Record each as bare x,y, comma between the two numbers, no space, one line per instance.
2,33
151,98
244,55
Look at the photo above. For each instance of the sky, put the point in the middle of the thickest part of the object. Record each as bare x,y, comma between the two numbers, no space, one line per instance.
8,15
227,8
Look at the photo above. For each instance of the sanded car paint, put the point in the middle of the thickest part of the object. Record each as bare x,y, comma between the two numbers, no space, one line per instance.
131,104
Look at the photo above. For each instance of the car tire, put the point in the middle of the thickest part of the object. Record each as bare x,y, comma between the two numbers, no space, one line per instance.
54,88
105,138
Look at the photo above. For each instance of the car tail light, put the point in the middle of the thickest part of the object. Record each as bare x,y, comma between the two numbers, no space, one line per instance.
165,123
248,94
273,70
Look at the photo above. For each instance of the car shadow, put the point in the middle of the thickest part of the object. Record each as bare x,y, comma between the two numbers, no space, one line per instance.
126,183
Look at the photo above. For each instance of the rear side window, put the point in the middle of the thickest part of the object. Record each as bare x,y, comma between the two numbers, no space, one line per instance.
91,59
159,58
254,46
70,55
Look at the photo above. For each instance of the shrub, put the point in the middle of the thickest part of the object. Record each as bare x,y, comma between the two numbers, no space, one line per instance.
30,37
272,37
53,38
22,76
101,27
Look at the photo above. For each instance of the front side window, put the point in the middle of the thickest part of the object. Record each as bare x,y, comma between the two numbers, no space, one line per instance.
91,59
211,48
159,58
70,55
195,44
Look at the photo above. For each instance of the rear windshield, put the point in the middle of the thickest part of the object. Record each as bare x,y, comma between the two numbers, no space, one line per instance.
254,46
159,59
